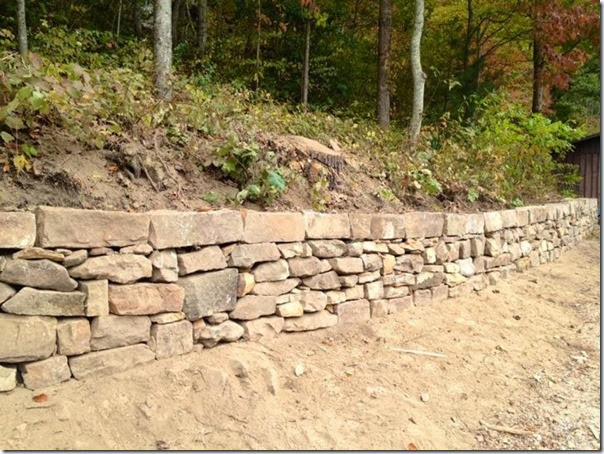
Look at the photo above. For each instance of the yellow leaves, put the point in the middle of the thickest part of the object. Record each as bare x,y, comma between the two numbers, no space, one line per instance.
21,163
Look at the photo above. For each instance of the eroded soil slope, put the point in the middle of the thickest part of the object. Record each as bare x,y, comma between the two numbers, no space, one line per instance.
522,357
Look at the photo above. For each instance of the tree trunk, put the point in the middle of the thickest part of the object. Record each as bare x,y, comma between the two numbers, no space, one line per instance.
163,48
175,20
21,27
202,25
306,68
138,18
385,25
538,67
419,78
259,30
119,19
468,41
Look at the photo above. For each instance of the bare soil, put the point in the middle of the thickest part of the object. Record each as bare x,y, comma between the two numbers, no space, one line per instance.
523,356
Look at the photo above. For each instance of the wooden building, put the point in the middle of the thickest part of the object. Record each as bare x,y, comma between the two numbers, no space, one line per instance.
586,154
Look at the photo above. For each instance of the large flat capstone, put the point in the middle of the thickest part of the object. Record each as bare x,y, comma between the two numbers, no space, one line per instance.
17,230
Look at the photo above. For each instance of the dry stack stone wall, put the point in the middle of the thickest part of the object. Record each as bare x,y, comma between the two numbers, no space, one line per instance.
86,293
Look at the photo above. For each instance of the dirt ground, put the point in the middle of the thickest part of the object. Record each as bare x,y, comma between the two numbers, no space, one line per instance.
520,356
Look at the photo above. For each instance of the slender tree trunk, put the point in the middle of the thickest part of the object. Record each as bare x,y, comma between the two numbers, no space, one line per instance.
538,67
138,18
21,27
419,78
176,6
202,25
468,41
383,104
119,18
306,68
259,30
163,48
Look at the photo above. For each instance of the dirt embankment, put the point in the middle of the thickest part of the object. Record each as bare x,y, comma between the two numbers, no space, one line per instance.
520,357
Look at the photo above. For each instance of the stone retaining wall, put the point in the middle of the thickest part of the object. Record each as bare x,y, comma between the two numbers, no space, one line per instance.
94,292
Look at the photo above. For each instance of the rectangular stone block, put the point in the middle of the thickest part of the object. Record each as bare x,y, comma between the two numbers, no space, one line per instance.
145,298
493,221
208,293
310,322
522,216
172,229
263,327
26,338
377,226
424,224
251,306
73,336
97,297
273,227
29,301
206,259
8,378
17,230
353,311
455,224
172,339
509,219
44,373
110,331
474,224
74,228
110,361
247,255
326,225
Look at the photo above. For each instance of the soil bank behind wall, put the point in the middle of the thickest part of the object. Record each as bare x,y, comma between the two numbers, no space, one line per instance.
85,292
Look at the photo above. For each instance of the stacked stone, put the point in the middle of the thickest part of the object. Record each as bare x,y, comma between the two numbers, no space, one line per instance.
95,292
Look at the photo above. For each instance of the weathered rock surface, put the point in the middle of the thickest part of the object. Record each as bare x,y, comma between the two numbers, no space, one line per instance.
44,373
165,266
6,291
206,259
8,378
145,299
328,248
29,301
245,284
42,274
304,266
275,288
324,281
172,229
75,258
17,230
353,311
273,227
217,319
377,226
264,327
347,265
424,225
141,249
73,336
313,301
412,263
211,335
208,293
110,331
97,297
110,361
247,255
38,253
119,268
26,338
292,309
167,317
309,322
271,271
251,306
75,228
326,225
172,339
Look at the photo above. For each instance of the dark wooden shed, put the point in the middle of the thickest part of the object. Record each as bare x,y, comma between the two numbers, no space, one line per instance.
586,154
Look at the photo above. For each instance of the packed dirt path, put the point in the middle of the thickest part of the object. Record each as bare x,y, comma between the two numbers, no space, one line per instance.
521,356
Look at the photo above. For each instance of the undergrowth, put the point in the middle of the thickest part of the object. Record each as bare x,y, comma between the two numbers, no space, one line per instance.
99,88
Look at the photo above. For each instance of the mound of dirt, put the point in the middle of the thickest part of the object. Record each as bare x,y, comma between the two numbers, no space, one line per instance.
520,371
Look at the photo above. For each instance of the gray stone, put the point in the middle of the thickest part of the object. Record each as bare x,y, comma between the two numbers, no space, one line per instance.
347,265
110,331
354,249
326,225
172,339
97,297
211,335
75,228
29,301
271,271
110,361
42,274
73,336
427,280
246,255
17,230
371,262
273,227
324,281
492,247
275,288
264,327
328,248
173,229
310,322
8,378
377,226
349,281
145,298
75,258
47,372
466,267
251,306
412,263
26,338
208,293
455,224
98,251
165,266
302,267
493,221
353,311
217,319
206,259
6,291
313,301
290,250
119,268
477,247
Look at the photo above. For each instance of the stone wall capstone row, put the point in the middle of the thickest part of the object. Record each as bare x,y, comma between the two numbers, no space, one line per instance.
106,291
74,228
17,230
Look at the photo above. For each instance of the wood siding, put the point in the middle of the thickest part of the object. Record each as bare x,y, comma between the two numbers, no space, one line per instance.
587,156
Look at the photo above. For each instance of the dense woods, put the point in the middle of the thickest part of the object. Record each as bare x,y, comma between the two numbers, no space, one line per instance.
440,78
